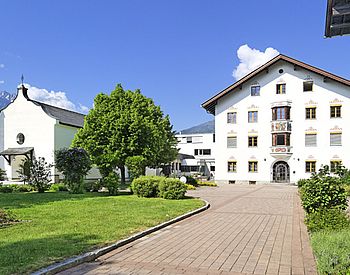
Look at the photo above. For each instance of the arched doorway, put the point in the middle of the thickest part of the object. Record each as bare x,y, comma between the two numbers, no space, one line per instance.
280,171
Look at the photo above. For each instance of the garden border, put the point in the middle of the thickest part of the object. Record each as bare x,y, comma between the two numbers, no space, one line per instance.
90,256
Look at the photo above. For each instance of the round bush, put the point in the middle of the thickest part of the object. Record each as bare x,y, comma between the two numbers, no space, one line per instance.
172,189
146,186
322,192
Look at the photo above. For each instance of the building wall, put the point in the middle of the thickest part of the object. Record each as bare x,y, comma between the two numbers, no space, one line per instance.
324,94
64,135
199,142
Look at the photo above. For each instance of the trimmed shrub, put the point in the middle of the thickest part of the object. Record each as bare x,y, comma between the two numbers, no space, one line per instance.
190,187
173,189
146,186
14,187
332,219
6,189
92,186
322,191
23,188
207,183
58,187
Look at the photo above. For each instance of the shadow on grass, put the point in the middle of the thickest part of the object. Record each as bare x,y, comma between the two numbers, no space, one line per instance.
25,256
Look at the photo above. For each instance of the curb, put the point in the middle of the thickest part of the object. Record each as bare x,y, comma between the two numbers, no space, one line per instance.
90,256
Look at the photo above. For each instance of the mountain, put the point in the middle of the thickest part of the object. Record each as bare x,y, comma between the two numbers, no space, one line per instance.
5,99
204,128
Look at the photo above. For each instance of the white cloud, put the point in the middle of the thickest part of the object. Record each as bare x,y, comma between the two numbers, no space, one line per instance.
2,81
58,99
83,108
250,59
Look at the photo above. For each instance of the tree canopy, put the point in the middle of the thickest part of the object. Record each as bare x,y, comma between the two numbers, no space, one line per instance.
126,124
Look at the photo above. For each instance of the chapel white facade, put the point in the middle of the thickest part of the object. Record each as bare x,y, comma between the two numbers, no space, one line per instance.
280,123
29,128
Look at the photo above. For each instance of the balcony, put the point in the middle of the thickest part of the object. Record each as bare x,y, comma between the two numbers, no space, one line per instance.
278,126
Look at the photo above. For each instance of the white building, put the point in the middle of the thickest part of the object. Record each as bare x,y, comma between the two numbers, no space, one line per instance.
29,128
280,123
197,150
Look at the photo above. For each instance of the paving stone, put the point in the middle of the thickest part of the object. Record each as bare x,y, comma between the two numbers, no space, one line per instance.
247,230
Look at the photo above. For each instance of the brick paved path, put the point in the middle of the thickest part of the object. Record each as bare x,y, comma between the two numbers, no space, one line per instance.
248,230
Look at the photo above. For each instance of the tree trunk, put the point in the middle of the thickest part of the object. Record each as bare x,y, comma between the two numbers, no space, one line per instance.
122,173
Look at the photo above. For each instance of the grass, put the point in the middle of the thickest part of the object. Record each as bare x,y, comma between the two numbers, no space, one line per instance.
60,225
332,251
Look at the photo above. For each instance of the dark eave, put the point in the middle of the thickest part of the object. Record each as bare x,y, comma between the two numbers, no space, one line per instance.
337,18
209,105
17,151
184,156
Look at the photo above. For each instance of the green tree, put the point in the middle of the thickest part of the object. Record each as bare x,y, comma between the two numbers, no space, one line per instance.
126,124
74,163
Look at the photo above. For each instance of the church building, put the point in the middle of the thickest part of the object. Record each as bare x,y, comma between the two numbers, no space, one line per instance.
30,128
280,123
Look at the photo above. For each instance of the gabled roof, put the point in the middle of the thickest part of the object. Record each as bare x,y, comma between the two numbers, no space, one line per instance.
204,128
64,116
209,105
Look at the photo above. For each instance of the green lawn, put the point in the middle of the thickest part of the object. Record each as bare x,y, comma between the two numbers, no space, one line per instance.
62,225
332,251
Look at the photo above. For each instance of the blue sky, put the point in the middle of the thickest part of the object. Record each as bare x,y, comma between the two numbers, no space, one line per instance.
180,53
